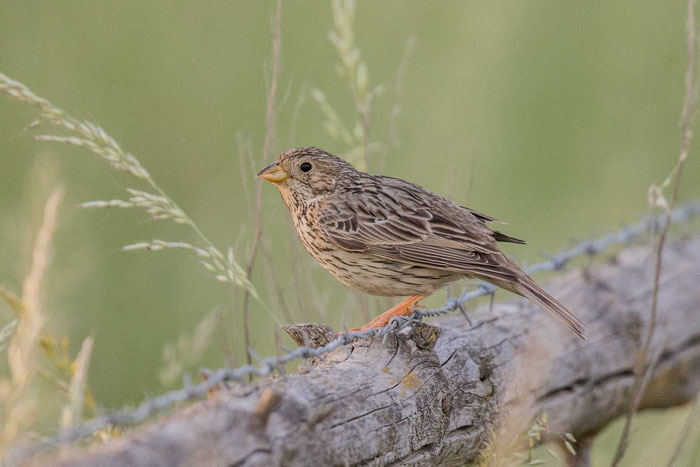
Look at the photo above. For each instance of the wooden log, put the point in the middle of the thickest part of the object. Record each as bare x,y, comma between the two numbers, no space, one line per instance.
415,398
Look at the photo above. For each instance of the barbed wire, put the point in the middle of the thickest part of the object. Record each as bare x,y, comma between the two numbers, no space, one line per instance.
268,365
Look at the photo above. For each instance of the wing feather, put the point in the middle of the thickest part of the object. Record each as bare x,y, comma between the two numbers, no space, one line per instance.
411,233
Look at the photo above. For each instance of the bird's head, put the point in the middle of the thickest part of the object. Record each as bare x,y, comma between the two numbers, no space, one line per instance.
306,173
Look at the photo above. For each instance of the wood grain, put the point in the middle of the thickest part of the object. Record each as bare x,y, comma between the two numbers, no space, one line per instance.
394,400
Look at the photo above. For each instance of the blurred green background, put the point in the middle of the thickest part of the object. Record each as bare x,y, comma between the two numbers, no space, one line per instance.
554,116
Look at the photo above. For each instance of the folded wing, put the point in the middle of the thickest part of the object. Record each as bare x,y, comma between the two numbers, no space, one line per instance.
411,233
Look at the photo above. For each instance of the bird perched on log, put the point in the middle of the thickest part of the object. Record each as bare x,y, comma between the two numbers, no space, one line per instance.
385,236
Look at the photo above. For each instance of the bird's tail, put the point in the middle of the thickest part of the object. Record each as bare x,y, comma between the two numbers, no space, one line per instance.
530,290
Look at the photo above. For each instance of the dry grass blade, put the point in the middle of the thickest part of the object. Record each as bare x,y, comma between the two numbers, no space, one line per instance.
692,419
31,319
73,411
85,134
188,349
353,68
392,139
639,386
270,131
657,198
14,302
20,402
333,125
6,333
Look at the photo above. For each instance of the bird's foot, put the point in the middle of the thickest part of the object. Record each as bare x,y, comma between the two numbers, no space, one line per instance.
405,308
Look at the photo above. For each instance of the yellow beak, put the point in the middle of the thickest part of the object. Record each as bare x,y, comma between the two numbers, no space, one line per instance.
273,173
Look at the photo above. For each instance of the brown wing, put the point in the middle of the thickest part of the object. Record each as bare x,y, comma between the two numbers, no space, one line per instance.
412,232
498,236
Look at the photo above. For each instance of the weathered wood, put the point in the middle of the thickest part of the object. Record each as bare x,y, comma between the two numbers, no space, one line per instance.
309,334
393,401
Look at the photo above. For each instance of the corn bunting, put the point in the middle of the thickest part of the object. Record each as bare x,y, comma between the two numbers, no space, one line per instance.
389,237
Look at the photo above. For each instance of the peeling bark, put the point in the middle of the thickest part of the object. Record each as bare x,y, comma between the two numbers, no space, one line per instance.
418,400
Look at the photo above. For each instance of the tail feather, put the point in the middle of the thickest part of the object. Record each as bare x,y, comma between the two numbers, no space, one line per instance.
529,289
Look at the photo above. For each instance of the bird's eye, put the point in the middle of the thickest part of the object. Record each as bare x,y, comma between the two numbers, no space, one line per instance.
305,167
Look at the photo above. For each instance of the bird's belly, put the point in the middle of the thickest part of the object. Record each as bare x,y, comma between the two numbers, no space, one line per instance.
372,274
377,276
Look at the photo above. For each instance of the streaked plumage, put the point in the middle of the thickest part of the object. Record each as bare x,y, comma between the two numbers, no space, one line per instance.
386,236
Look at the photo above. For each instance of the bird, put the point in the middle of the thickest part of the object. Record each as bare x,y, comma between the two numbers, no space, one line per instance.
389,237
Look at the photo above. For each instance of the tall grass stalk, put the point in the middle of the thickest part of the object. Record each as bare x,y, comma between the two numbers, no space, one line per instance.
353,68
188,349
392,139
73,411
19,394
645,362
158,204
270,133
36,356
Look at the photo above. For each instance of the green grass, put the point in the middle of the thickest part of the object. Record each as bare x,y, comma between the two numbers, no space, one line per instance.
570,112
